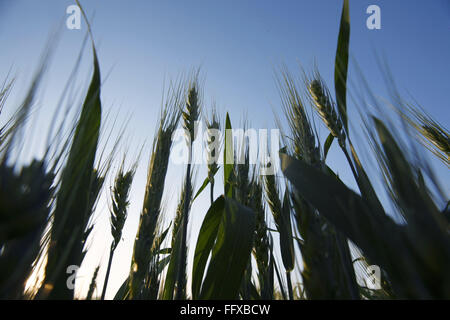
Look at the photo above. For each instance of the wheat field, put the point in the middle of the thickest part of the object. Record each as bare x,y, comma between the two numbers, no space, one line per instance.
329,237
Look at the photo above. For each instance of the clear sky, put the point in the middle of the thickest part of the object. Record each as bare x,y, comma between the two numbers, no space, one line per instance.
239,45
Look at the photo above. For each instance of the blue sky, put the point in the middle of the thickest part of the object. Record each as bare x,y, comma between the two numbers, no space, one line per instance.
239,45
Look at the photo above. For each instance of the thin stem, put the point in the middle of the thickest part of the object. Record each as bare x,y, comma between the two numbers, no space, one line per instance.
349,160
289,284
108,270
345,256
212,192
181,277
279,281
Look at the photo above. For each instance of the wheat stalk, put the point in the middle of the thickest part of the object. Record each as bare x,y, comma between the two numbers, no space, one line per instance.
212,125
281,215
153,191
120,202
438,137
93,284
434,136
319,244
302,136
261,245
323,103
190,116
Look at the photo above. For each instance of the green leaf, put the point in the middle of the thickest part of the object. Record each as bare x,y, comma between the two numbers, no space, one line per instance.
171,276
327,145
254,295
266,291
204,185
344,208
205,243
286,239
122,293
72,207
165,251
227,236
341,64
228,154
331,172
280,280
163,235
163,263
415,203
367,191
231,252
